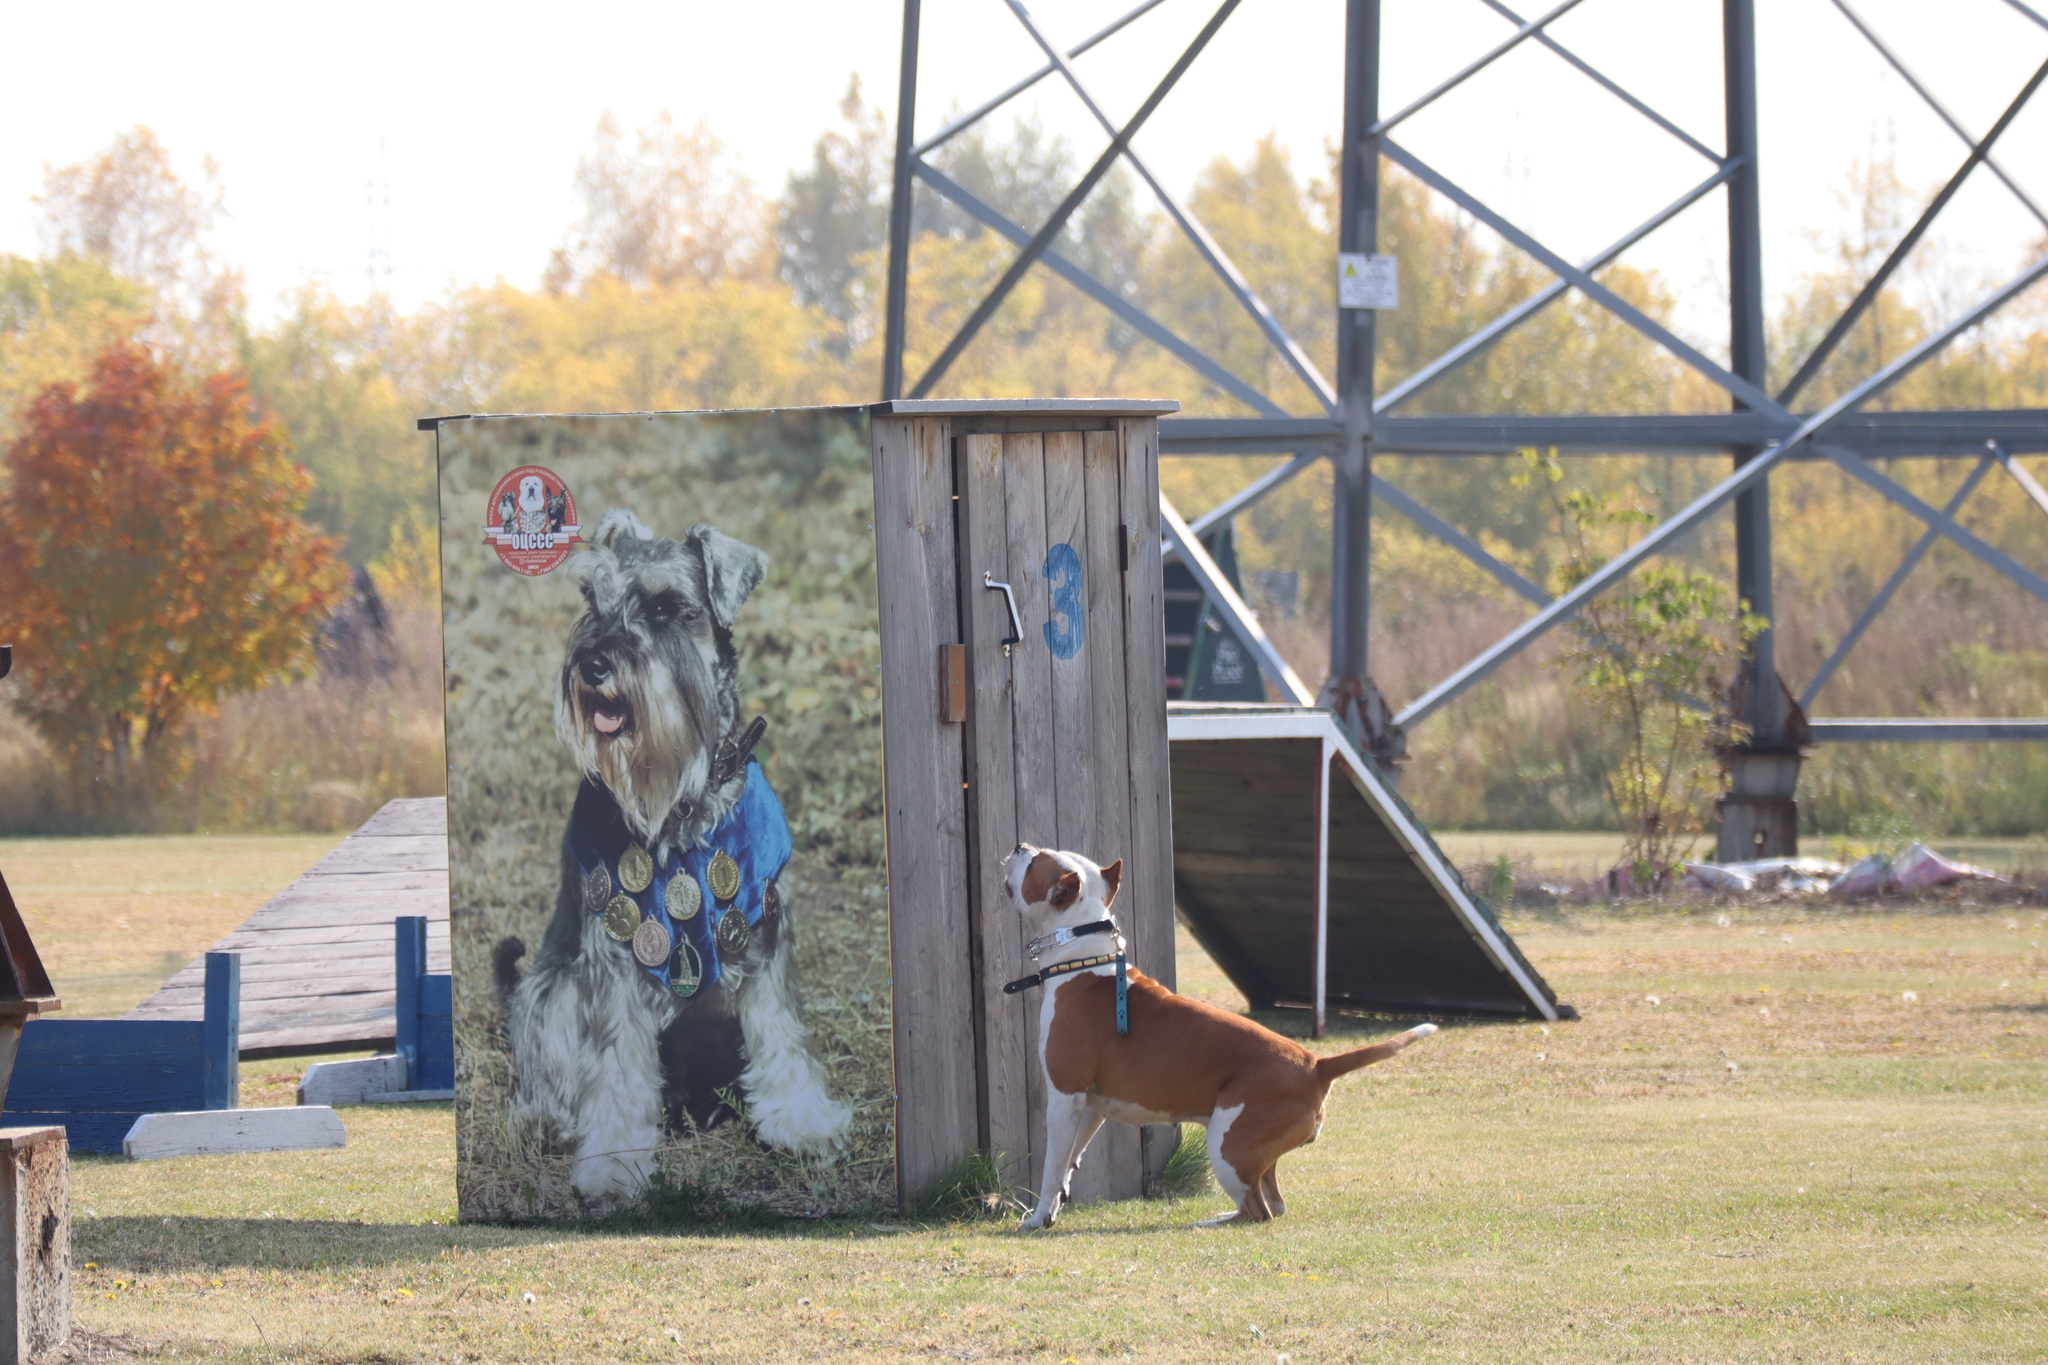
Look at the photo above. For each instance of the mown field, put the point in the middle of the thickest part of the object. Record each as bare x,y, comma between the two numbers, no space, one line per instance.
1755,1146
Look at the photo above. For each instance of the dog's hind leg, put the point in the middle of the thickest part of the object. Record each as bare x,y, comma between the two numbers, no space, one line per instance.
783,1083
1069,1126
1269,1185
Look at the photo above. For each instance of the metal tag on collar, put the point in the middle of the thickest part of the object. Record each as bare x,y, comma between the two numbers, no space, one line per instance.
1060,938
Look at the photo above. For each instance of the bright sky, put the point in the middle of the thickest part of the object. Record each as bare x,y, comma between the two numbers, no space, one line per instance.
473,115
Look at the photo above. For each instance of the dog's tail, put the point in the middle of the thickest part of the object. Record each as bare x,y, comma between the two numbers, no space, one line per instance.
505,960
1344,1063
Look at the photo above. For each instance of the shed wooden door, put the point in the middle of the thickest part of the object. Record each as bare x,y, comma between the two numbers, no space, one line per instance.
1061,750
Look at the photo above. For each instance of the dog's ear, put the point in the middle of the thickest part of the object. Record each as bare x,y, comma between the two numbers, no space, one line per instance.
1065,891
620,524
732,570
1112,878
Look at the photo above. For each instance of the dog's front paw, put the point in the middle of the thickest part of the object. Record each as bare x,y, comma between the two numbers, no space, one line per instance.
1036,1222
804,1121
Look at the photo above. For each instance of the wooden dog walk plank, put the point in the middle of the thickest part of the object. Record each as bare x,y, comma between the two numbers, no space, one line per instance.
1311,883
318,961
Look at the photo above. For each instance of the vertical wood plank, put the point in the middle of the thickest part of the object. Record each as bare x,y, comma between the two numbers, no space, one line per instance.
1073,679
1150,866
930,953
411,960
1113,1168
1038,753
221,1032
992,806
1145,701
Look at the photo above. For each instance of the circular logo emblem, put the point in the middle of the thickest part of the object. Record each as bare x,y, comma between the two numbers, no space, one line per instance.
531,520
724,876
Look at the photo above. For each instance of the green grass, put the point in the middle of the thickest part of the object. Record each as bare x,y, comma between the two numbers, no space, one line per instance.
1853,1176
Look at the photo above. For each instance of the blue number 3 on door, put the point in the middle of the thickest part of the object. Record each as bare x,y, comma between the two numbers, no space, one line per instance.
1063,571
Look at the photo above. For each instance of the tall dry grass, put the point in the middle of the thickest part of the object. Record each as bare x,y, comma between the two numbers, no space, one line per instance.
319,754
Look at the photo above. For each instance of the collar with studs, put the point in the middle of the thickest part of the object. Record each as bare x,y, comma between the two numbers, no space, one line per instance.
1060,938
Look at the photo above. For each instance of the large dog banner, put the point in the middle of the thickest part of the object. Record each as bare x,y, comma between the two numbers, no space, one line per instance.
670,915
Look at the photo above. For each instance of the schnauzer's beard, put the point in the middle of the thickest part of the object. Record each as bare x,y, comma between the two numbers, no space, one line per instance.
640,735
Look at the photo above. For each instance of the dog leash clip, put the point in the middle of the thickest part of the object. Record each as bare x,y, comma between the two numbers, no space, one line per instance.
1016,635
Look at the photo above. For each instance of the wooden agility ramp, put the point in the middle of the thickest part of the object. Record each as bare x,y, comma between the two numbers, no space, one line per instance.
1313,885
317,960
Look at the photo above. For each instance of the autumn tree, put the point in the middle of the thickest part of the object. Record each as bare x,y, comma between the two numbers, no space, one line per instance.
154,561
127,209
669,209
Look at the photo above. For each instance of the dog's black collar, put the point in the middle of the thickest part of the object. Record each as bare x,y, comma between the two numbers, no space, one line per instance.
733,754
1039,978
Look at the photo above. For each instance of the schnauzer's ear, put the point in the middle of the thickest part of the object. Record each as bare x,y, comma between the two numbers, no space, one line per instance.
1112,878
732,570
620,524
1065,891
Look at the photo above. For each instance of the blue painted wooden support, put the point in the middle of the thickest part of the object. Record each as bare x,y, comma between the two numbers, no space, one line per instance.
412,964
436,1069
222,1048
95,1077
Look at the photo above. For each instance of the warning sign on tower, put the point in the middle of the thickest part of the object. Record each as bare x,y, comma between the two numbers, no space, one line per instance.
1367,281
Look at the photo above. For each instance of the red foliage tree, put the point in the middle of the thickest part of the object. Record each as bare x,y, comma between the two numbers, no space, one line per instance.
152,560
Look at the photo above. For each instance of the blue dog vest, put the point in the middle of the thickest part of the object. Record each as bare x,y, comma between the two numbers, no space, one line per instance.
733,873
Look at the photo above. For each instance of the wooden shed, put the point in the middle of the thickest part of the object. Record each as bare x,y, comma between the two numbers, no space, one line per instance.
1045,726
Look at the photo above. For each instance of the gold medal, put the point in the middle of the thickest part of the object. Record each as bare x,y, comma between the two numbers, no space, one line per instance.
685,970
771,902
732,932
724,876
651,943
621,918
597,889
636,869
684,900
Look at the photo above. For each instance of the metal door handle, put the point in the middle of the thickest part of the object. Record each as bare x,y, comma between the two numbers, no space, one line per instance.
1016,636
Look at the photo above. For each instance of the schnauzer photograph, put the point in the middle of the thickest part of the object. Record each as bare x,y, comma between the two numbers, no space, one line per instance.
669,903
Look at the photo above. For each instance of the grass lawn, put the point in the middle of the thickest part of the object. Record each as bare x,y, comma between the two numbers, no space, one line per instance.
1583,856
1753,1147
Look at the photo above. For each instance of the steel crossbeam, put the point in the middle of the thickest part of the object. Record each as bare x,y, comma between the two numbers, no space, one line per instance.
1044,237
1867,295
1567,606
1760,432
1592,73
1146,325
1941,110
1883,596
1205,245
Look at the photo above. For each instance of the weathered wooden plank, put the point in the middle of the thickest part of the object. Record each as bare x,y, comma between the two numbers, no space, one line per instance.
91,1042
129,1086
366,884
220,1132
405,853
1107,725
930,942
261,938
1035,741
315,911
992,827
424,815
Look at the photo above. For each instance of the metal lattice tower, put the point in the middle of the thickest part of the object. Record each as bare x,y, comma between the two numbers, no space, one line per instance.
1759,432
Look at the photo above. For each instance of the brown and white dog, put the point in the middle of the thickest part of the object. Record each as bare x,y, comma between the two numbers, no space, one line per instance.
1261,1095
